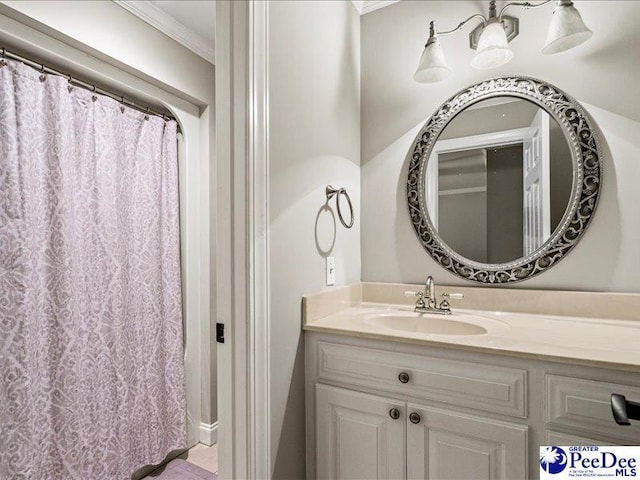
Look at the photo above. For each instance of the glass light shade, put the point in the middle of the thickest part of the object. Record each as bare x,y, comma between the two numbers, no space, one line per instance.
493,48
433,66
567,29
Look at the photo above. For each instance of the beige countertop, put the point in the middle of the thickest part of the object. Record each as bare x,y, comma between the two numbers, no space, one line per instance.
602,342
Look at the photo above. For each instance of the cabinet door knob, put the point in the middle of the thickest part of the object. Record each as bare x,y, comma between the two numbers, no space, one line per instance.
414,417
403,377
394,413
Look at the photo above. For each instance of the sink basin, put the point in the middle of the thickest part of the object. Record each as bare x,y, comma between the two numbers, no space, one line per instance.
429,324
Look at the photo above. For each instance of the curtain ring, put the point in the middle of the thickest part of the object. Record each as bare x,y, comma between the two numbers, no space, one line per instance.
331,192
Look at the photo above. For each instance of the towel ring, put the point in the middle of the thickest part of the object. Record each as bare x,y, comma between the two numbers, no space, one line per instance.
331,192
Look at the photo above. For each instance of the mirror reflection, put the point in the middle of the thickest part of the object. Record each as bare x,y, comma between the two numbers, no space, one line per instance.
499,180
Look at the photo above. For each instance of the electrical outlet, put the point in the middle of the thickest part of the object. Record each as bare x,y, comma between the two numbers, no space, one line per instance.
331,271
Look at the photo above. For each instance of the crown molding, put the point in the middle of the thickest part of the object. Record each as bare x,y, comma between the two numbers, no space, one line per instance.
157,18
367,6
358,4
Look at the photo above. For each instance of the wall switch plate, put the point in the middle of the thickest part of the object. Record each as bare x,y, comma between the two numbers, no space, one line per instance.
331,271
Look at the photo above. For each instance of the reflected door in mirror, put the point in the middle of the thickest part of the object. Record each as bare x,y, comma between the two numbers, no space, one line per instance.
498,180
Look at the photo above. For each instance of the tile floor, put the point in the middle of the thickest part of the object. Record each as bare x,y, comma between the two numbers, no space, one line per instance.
201,455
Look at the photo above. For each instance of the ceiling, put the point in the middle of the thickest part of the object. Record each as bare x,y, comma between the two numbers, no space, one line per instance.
193,22
198,15
366,6
189,22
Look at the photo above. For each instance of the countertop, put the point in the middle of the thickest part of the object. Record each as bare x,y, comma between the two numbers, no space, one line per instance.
568,339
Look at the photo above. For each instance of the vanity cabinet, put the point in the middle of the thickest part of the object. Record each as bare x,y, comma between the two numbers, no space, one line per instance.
585,406
362,436
396,433
359,436
379,409
444,444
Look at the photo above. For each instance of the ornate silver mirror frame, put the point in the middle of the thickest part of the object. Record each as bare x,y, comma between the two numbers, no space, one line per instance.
586,155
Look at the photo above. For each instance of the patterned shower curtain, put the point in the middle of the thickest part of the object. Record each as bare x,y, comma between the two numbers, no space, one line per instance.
91,352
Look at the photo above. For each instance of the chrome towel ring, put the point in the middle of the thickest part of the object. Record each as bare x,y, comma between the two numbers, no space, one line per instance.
331,192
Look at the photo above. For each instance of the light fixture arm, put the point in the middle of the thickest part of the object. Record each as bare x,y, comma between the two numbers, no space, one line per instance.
462,24
525,5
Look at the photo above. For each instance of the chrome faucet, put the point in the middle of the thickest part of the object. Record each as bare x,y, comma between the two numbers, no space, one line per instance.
427,301
430,292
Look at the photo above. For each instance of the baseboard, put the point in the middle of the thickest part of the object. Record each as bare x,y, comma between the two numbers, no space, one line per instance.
209,433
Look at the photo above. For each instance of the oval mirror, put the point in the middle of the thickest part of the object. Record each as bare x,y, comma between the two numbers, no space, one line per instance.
503,179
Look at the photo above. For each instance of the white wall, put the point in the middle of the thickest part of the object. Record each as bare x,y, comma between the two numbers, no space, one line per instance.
601,74
107,31
314,97
98,40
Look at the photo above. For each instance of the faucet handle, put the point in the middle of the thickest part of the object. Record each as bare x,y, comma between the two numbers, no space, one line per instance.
410,293
453,296
420,302
444,304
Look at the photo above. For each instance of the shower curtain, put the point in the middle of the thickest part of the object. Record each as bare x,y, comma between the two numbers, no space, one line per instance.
91,352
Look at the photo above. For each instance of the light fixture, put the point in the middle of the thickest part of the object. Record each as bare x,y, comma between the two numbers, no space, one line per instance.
491,39
567,29
493,47
433,66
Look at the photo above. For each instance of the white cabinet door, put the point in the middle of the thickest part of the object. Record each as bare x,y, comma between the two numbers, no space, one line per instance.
356,438
445,445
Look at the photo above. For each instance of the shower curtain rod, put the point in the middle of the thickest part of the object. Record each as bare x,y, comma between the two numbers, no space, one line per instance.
79,83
